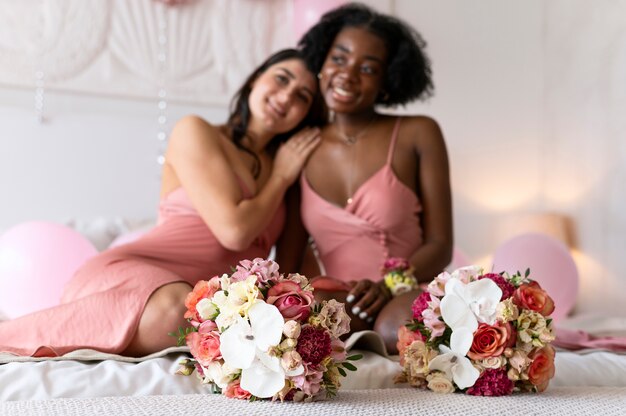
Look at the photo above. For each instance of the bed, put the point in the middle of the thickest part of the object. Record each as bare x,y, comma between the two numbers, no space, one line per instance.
88,381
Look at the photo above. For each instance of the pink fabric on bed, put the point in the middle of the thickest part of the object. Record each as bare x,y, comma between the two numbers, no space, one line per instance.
102,304
578,340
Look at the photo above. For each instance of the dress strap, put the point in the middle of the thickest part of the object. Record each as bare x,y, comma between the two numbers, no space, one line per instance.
394,138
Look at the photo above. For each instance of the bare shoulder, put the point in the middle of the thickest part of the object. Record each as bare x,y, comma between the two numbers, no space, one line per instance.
423,132
193,135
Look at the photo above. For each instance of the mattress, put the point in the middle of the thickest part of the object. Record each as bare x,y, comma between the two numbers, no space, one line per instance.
91,374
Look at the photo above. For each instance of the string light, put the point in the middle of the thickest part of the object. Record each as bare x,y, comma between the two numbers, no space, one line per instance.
161,134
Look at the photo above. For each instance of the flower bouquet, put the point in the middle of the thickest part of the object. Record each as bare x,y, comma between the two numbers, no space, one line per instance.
260,334
482,334
398,276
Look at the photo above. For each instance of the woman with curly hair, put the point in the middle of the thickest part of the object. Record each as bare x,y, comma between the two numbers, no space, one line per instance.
378,186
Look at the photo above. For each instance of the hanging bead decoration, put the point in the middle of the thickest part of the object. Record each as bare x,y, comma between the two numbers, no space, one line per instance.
39,95
162,125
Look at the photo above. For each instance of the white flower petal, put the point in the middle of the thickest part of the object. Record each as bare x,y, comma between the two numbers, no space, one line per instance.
273,363
461,340
267,325
456,313
442,362
260,381
237,345
464,373
483,297
296,371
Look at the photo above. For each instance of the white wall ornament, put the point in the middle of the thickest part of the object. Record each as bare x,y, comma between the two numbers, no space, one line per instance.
111,47
58,37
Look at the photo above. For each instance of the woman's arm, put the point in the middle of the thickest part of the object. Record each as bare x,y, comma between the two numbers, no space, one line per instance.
205,172
434,191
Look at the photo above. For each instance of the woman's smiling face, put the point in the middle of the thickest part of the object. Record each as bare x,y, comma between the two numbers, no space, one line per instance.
282,95
354,70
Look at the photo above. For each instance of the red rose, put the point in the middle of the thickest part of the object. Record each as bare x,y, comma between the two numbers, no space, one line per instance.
532,296
291,300
490,340
541,368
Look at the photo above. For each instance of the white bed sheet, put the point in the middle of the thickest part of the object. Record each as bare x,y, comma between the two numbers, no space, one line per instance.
85,374
79,379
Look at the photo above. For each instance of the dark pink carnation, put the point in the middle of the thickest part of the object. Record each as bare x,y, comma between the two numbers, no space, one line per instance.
507,288
313,344
492,383
420,304
398,264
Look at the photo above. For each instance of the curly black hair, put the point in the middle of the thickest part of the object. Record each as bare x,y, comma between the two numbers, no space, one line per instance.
408,73
240,109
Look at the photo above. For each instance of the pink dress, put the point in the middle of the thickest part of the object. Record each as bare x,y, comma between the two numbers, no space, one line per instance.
382,221
102,304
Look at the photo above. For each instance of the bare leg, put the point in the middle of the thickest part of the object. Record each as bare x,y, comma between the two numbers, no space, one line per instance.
394,314
163,313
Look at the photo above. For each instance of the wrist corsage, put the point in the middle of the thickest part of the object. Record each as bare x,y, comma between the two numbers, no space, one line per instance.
398,276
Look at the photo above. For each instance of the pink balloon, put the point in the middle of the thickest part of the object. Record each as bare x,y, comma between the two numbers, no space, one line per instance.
308,12
37,259
127,238
550,263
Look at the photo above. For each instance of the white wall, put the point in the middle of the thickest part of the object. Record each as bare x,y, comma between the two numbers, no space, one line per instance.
531,97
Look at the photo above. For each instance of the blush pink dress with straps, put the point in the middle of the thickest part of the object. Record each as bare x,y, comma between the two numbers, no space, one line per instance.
381,221
102,304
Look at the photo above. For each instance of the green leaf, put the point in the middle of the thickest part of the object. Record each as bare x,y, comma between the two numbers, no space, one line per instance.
342,371
354,357
348,366
527,272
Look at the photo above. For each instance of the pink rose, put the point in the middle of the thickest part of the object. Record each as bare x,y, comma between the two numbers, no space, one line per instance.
490,340
205,344
234,391
202,290
532,296
291,300
541,368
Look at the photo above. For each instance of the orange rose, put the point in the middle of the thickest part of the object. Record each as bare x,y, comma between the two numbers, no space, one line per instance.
202,290
406,338
234,391
541,368
532,296
490,340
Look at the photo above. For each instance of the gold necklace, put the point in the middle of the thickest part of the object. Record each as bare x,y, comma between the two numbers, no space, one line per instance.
350,139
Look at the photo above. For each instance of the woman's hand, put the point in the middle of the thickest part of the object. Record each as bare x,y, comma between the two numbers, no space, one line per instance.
367,298
293,154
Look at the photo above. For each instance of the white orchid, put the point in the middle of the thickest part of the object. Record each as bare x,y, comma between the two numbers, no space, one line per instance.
464,305
247,346
453,361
